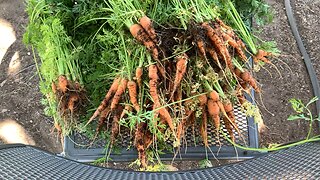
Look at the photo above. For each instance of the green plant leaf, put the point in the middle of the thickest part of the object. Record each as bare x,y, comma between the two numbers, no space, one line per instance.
296,117
297,105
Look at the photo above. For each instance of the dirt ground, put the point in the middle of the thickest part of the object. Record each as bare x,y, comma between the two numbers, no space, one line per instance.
20,96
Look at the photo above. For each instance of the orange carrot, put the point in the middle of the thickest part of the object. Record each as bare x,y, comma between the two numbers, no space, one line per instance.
217,42
132,88
213,55
73,98
181,65
201,46
214,96
121,89
202,100
261,56
246,76
214,110
139,72
204,126
115,124
165,115
63,83
146,23
235,45
102,119
103,104
139,33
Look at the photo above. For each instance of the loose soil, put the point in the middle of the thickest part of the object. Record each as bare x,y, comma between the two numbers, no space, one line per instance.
20,98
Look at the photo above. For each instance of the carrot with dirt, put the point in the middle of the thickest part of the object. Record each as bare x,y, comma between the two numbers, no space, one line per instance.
204,123
246,76
115,124
217,42
261,56
139,72
214,110
127,109
146,23
104,102
132,89
63,83
73,98
117,96
181,66
140,34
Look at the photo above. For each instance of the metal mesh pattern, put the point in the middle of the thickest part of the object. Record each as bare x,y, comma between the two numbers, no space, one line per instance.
301,162
191,139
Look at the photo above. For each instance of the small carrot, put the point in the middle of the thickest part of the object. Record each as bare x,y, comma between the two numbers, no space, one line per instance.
181,65
139,72
73,98
202,100
214,110
102,119
201,46
204,126
146,23
217,42
213,55
63,83
235,45
104,102
121,89
246,76
214,96
132,88
115,124
165,115
139,33
261,56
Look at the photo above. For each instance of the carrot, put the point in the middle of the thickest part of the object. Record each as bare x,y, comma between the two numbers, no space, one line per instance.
235,45
246,76
228,107
213,55
115,124
202,100
165,115
261,56
204,126
121,89
181,65
201,46
222,24
146,23
126,110
237,72
103,104
153,72
63,83
214,96
53,87
217,42
132,88
102,119
139,33
139,144
73,98
214,110
139,72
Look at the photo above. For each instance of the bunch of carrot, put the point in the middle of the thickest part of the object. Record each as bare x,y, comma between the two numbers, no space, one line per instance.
169,77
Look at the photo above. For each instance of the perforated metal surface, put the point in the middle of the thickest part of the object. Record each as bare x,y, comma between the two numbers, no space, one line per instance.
192,146
301,162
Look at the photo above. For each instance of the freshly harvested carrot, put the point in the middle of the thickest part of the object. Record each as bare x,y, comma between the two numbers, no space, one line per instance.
121,89
102,119
217,42
53,87
73,98
214,110
126,110
246,76
115,124
103,104
222,24
201,46
146,23
261,56
213,55
63,83
228,107
235,45
182,61
165,115
237,72
204,126
139,72
202,100
132,88
153,72
140,34
214,96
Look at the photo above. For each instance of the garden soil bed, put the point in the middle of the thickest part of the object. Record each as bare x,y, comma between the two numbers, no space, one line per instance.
20,97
